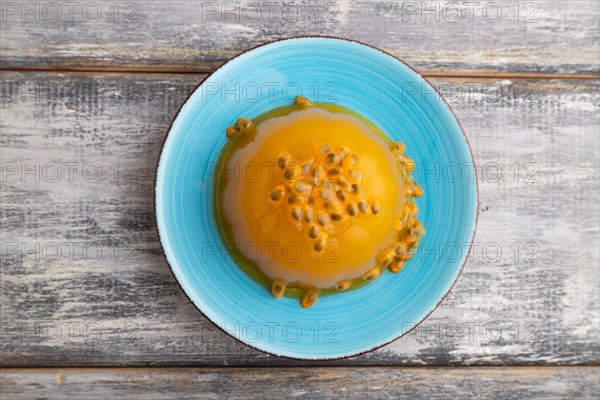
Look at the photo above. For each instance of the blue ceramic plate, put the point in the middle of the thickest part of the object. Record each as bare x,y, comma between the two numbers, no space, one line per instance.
379,87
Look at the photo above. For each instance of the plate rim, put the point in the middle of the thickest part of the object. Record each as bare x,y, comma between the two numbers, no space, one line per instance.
333,38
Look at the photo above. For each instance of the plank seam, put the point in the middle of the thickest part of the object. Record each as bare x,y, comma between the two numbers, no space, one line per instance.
515,75
4,368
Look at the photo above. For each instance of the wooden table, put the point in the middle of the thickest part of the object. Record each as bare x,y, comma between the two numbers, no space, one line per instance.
89,307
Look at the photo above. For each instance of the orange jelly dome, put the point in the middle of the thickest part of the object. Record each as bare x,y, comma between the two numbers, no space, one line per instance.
314,198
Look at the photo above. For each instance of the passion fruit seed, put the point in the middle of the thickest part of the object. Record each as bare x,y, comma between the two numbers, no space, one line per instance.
290,173
336,217
396,266
355,174
320,243
343,153
352,209
372,274
405,247
244,124
331,158
232,131
409,212
296,213
322,219
325,194
341,179
417,191
401,249
387,258
324,149
304,102
411,248
376,206
282,161
363,206
313,231
308,214
355,188
300,187
341,195
398,148
305,169
277,193
314,177
343,285
278,288
417,229
293,199
332,170
309,298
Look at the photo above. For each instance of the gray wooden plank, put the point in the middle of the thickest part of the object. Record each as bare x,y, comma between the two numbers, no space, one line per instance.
539,306
542,36
304,383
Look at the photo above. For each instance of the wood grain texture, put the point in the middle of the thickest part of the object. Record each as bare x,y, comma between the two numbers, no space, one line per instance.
304,383
61,307
537,37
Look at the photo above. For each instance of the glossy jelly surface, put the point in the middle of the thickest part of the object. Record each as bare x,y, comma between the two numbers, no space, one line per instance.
314,197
